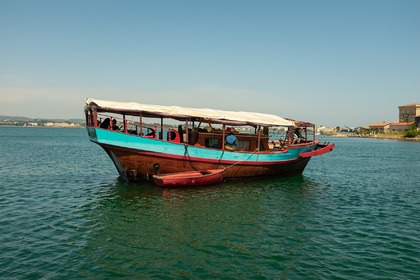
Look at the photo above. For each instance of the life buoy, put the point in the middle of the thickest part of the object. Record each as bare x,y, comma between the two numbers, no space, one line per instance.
173,136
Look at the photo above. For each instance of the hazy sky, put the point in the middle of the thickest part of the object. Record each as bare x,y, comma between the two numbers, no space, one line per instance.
341,62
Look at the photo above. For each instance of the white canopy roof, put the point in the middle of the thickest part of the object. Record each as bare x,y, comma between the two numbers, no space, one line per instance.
182,113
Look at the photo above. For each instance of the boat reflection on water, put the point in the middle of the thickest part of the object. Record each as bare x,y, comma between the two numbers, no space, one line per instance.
146,194
156,229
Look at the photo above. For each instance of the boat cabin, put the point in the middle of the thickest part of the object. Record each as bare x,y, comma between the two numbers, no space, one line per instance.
238,131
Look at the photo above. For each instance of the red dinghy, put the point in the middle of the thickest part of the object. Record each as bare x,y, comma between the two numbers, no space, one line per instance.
189,179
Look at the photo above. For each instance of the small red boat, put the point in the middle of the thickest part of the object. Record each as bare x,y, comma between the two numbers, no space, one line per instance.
189,179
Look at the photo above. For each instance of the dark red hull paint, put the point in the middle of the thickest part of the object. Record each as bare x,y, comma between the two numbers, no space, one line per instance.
137,165
322,149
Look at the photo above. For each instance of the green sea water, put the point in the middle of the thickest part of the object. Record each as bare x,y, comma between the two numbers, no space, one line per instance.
65,214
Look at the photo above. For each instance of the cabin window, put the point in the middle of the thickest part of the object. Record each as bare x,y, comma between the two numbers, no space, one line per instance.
243,145
212,143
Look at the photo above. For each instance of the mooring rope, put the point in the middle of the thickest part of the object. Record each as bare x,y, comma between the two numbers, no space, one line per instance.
240,161
220,158
187,154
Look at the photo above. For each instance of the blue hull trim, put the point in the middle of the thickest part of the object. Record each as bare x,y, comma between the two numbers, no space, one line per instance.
140,157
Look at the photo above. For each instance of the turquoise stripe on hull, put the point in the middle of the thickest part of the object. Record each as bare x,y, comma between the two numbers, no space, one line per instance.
129,141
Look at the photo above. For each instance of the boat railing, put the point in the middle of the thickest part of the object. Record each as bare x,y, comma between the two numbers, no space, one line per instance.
170,133
142,129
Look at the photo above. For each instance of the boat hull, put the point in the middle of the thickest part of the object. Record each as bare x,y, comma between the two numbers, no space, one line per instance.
138,158
140,165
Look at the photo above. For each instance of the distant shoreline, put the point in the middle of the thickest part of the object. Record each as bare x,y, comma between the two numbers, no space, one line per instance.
398,137
51,126
11,121
378,136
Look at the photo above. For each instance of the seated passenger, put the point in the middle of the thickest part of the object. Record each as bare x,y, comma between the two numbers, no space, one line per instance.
105,124
114,125
297,136
230,142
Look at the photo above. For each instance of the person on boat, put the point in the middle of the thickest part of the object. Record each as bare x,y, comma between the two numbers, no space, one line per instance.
296,139
114,125
230,142
105,124
297,136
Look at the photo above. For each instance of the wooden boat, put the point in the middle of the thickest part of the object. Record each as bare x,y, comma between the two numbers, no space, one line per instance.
145,140
189,178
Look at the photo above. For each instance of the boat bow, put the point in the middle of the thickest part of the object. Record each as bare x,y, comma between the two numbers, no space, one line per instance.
320,150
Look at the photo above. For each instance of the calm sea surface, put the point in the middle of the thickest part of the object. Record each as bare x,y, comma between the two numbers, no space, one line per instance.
353,214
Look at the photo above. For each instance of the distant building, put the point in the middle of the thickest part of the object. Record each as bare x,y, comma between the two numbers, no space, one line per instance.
347,129
379,127
60,124
322,130
417,121
400,127
408,113
362,129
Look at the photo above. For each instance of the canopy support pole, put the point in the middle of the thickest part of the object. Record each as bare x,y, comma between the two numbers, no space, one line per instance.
161,128
259,139
141,126
125,124
223,137
186,132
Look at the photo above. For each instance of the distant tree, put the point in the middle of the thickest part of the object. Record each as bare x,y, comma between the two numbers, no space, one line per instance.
412,132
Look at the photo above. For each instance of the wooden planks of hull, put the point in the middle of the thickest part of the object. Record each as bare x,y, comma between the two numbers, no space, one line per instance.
137,165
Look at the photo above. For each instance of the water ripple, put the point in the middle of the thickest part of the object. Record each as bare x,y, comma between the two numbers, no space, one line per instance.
354,214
